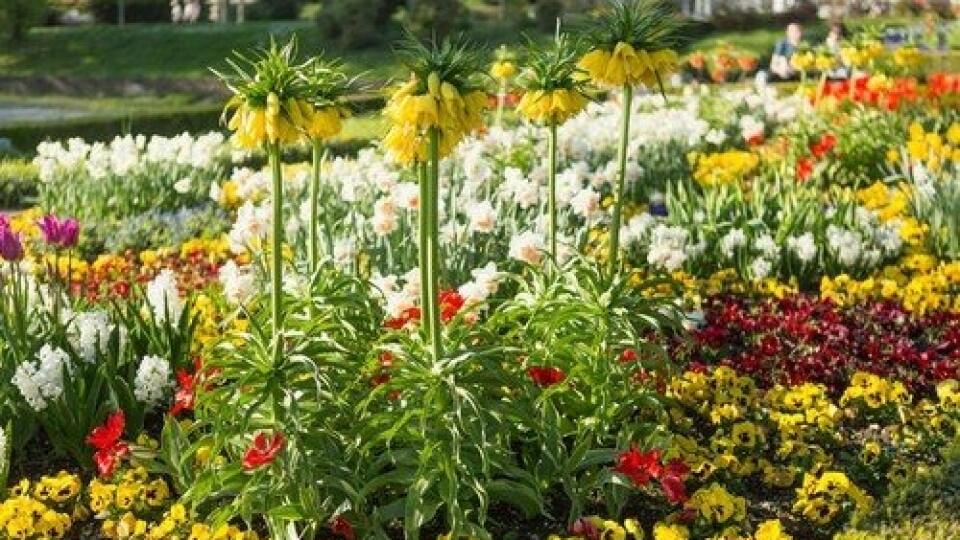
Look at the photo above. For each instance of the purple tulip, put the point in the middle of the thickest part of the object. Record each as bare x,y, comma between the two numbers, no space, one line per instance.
11,248
59,233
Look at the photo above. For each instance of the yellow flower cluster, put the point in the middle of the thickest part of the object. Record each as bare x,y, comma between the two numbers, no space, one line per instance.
861,56
907,57
719,509
870,391
44,509
503,70
630,529
25,518
609,529
888,202
131,491
279,121
932,149
551,106
625,65
722,168
803,61
822,499
441,106
919,283
948,392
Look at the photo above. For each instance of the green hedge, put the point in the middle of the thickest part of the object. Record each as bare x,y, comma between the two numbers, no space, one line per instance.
26,137
18,183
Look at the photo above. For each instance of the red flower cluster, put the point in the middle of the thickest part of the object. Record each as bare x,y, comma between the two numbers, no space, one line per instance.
546,376
263,451
642,467
187,383
113,278
450,305
902,90
801,339
941,84
108,448
818,149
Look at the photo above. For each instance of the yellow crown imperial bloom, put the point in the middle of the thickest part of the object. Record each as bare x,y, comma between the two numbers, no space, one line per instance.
324,123
555,106
503,70
852,56
433,84
802,61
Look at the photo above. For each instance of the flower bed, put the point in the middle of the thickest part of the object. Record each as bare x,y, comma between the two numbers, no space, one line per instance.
716,314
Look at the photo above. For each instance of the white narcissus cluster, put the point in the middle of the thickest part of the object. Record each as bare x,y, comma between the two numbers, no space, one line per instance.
493,199
251,226
238,283
41,382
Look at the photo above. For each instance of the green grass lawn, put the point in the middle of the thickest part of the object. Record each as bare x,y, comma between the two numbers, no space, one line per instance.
155,50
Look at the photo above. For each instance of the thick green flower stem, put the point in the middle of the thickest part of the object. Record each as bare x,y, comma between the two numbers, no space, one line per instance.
423,245
314,229
614,255
431,206
501,99
276,251
552,201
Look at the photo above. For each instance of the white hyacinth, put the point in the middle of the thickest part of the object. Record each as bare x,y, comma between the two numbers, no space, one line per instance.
90,331
668,247
164,297
154,379
41,382
803,246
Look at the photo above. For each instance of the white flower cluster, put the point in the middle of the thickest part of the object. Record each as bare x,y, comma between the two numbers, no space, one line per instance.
41,382
153,381
668,247
89,332
238,283
251,226
484,283
164,297
127,155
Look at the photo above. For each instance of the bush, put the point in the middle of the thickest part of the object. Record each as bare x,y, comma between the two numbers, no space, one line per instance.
17,16
430,18
135,11
351,22
18,183
274,10
548,11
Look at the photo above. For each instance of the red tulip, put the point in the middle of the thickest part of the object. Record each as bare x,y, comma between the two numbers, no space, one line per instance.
106,441
263,451
639,467
450,304
545,376
804,169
